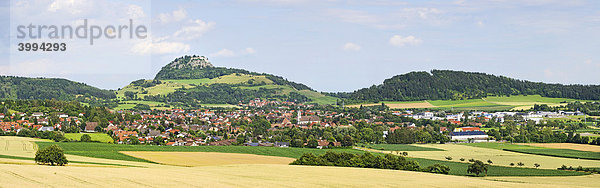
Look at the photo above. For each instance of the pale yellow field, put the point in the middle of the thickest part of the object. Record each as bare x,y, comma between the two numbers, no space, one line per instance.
18,146
215,172
565,181
231,176
580,147
499,157
24,147
206,158
423,104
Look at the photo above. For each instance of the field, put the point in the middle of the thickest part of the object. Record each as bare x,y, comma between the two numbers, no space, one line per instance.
399,104
206,158
234,176
99,137
498,157
580,147
111,151
398,147
124,105
232,169
489,103
566,153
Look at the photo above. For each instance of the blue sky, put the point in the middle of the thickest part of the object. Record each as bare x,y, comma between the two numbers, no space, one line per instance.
333,45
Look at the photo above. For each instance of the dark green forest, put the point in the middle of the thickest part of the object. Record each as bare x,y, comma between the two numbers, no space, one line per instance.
48,88
447,84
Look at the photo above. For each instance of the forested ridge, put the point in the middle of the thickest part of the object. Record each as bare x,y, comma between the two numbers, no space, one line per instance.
48,88
448,84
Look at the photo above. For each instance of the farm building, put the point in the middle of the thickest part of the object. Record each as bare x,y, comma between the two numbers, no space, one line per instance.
466,133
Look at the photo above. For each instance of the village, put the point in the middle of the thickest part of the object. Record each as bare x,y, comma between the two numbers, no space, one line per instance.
179,127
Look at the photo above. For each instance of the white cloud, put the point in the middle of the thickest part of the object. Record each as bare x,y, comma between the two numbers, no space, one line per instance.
71,6
398,40
230,53
354,16
351,47
480,23
135,12
159,47
174,16
223,53
195,29
250,51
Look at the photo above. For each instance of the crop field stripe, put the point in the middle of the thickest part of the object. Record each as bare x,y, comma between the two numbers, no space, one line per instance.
80,162
566,153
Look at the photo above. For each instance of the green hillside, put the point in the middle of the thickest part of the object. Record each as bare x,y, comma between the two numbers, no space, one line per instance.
48,88
456,85
193,81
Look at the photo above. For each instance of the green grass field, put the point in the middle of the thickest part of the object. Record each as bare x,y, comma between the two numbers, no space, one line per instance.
398,147
566,153
491,103
129,104
99,137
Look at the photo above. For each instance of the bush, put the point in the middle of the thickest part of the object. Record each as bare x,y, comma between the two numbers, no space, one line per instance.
53,155
85,138
478,167
437,169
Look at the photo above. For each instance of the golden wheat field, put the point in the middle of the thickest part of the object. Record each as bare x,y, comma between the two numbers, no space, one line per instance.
580,147
499,157
206,158
233,170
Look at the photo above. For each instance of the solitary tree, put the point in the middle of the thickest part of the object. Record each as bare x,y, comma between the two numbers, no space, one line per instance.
478,167
490,161
53,155
85,138
405,153
449,158
462,159
512,164
536,165
520,164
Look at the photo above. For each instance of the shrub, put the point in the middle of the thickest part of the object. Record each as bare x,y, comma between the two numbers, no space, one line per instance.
437,169
53,155
478,167
449,158
85,138
462,159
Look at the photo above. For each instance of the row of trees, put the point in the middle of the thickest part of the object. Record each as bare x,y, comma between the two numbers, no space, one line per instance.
366,160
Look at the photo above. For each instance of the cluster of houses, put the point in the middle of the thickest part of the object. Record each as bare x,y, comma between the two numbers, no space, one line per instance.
179,127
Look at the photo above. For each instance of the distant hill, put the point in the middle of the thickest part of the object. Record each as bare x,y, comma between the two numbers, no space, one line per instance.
193,80
447,84
48,88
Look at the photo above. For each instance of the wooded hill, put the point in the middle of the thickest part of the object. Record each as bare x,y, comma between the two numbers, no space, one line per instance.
193,80
48,88
447,84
